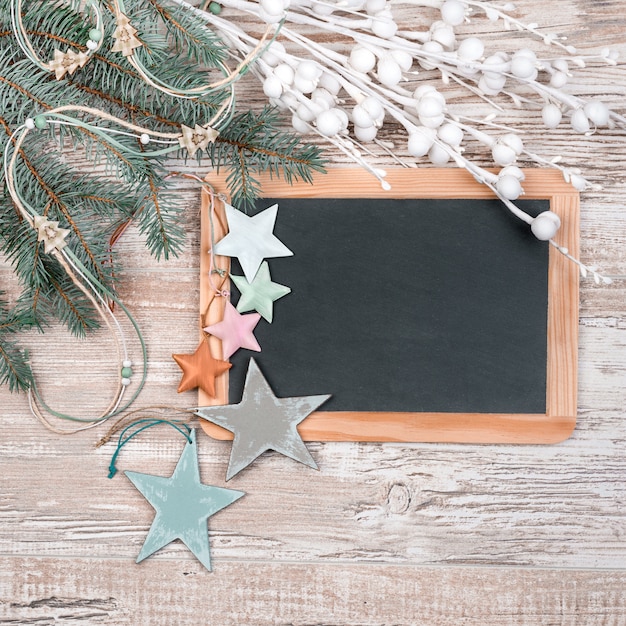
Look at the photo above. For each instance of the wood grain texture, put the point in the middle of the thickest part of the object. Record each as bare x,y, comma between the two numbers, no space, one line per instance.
383,534
308,594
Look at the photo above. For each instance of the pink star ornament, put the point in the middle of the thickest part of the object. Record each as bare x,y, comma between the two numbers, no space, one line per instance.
236,331
251,239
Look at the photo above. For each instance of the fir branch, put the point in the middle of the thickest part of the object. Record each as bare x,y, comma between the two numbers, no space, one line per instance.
252,144
14,368
159,219
95,206
190,36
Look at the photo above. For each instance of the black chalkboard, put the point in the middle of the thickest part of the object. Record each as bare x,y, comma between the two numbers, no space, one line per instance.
427,310
419,305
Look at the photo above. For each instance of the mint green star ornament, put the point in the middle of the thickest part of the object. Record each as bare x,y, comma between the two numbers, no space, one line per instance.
260,294
183,505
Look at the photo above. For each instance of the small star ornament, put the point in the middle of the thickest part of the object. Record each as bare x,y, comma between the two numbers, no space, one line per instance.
236,331
200,369
251,239
262,422
260,294
183,505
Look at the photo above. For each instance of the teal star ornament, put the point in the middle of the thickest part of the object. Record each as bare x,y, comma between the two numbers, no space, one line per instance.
262,422
251,239
183,505
260,294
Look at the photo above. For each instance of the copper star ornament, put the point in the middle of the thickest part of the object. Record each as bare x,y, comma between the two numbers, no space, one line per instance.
200,369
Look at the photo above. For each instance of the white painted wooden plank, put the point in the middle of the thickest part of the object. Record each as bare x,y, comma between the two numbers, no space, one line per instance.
115,591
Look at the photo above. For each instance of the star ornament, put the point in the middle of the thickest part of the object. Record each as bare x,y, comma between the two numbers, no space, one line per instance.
262,422
235,331
260,294
183,506
251,239
200,369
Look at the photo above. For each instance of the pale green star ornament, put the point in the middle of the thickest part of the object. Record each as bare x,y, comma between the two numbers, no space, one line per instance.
260,294
262,422
183,505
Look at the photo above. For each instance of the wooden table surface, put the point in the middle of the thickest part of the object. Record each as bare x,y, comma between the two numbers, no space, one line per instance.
383,534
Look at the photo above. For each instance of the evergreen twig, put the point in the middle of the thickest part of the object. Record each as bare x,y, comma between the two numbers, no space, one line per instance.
123,184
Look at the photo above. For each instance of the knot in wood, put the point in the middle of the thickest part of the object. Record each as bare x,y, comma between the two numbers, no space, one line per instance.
398,499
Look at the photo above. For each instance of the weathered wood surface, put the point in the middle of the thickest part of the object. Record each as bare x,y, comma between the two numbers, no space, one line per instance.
383,533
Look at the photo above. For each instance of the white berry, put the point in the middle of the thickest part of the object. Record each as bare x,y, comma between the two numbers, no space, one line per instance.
453,12
551,115
509,187
367,133
421,141
362,59
471,49
597,112
272,87
438,155
579,121
329,123
545,225
450,134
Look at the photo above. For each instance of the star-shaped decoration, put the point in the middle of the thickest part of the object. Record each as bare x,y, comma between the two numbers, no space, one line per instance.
183,506
262,422
49,232
198,138
251,239
236,331
260,294
200,369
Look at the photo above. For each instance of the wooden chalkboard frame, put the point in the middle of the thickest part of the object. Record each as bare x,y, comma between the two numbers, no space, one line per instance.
553,426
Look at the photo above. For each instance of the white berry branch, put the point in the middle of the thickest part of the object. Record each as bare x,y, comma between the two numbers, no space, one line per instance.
348,97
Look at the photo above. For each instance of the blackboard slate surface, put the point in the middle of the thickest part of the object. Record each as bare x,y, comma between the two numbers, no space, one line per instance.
468,325
406,305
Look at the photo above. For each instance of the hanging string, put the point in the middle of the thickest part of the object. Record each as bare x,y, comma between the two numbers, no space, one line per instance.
213,267
148,412
63,63
89,285
139,426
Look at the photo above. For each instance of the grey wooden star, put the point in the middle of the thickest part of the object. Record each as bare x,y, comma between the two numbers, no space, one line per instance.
262,422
